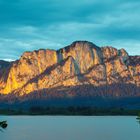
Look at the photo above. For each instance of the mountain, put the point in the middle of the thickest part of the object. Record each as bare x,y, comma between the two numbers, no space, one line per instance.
81,69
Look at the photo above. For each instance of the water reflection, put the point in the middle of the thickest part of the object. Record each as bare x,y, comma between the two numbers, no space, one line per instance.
70,128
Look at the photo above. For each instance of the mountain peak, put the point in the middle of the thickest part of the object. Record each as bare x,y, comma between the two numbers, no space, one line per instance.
80,44
81,59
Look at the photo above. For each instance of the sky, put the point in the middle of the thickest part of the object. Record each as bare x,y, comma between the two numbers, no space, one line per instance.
27,25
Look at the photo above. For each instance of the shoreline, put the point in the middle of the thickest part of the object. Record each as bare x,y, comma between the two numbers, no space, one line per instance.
70,111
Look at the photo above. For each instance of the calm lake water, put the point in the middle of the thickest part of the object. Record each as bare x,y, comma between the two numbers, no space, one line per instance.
71,128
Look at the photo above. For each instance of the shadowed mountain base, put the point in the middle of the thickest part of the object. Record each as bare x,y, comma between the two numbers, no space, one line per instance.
116,95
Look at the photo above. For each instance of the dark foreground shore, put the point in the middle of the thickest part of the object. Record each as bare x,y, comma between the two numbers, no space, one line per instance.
89,111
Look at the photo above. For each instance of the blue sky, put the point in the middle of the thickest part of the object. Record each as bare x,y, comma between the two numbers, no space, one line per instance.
27,25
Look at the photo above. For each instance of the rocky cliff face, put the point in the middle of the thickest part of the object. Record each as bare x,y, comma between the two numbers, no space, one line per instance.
80,64
4,70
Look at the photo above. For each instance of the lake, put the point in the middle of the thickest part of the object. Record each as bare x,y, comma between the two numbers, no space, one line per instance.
71,128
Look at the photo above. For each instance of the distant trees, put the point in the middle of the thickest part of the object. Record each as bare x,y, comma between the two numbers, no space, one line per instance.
139,114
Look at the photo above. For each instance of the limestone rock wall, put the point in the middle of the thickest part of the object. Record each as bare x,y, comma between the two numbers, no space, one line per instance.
80,63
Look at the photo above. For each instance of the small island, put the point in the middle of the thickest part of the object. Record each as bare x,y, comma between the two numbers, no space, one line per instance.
138,117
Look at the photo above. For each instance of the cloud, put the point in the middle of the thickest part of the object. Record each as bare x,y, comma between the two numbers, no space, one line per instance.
34,24
17,47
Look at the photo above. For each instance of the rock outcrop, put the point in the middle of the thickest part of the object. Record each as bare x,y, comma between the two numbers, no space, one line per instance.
79,64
